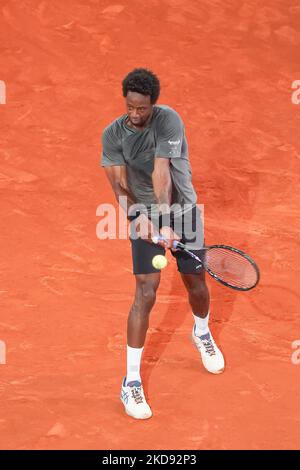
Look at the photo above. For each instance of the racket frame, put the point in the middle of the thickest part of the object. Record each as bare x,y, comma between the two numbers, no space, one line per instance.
215,276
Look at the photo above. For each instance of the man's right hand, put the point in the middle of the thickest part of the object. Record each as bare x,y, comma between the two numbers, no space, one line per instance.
169,236
145,228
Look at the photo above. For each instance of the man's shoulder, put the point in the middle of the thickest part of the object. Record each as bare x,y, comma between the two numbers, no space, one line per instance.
164,112
113,129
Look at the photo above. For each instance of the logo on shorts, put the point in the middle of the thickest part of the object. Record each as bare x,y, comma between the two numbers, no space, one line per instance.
174,142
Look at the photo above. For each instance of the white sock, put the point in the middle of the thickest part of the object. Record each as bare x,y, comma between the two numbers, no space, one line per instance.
134,356
201,325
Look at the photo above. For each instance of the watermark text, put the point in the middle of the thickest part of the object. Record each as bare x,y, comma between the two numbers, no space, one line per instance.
2,352
296,93
2,92
296,354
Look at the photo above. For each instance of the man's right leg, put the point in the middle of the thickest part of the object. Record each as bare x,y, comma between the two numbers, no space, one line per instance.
147,282
132,394
138,319
138,322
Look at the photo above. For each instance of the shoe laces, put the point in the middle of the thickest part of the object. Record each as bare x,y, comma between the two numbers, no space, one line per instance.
209,346
136,393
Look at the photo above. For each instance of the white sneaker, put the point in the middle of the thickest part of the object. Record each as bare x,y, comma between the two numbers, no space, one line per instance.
133,398
211,356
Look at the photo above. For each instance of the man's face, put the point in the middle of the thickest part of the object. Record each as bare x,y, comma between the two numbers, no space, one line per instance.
139,108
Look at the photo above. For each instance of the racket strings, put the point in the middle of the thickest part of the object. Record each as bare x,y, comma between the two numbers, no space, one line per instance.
231,267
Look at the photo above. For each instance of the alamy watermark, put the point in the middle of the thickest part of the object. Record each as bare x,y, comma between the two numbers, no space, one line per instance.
296,94
295,359
2,92
187,221
2,352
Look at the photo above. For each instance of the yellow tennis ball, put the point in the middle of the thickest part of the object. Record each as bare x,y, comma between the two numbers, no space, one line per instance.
159,262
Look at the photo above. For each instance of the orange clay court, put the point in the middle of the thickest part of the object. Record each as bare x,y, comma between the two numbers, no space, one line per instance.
228,69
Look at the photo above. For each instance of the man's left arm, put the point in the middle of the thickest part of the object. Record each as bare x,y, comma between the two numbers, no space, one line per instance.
162,186
170,133
162,182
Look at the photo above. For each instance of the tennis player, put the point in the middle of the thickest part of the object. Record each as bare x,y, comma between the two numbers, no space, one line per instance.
145,156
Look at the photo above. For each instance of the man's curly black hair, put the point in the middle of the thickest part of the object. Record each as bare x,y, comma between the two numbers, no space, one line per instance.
142,81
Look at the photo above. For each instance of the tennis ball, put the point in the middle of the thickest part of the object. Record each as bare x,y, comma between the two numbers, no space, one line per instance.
159,262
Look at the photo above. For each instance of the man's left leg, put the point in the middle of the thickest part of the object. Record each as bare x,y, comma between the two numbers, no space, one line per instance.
198,293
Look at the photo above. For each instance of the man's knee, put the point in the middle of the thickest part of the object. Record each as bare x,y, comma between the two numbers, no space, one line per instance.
196,287
198,290
146,290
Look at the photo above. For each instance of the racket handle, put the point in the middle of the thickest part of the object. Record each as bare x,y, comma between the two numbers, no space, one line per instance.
176,243
157,238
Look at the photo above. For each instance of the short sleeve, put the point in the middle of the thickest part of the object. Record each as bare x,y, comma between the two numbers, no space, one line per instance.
169,135
112,154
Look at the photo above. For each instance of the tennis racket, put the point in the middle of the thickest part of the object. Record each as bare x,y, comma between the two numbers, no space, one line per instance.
228,265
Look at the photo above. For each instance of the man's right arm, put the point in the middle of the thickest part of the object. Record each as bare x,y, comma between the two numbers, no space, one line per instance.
115,169
117,178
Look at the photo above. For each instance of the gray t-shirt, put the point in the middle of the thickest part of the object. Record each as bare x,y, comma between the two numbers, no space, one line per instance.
164,137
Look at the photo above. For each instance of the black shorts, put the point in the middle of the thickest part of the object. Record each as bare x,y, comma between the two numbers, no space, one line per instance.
143,252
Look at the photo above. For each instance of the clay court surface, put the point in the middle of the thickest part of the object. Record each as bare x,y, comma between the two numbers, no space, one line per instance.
227,67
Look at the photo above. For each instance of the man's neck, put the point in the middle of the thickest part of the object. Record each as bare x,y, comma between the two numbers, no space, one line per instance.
139,128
